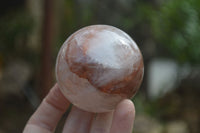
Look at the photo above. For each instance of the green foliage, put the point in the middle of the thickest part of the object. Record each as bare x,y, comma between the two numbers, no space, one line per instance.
173,24
177,25
15,28
143,107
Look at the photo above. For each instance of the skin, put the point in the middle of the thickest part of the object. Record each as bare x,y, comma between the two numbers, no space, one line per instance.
54,105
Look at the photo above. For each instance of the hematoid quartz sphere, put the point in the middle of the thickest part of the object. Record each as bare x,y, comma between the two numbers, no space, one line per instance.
98,66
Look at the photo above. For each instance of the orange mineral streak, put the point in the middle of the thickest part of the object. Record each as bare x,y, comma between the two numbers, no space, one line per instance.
126,87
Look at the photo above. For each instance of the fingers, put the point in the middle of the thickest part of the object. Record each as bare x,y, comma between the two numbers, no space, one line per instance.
102,123
46,117
123,117
78,121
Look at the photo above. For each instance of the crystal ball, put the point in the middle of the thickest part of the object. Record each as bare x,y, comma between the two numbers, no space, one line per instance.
98,66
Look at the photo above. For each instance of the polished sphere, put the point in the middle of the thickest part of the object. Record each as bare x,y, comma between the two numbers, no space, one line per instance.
98,66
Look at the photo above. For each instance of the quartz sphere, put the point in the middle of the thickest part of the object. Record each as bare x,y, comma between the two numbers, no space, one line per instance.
98,66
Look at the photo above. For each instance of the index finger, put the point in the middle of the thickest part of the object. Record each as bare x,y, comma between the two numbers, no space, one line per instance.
48,114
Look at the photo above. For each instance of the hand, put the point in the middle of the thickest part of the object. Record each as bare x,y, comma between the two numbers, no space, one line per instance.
54,105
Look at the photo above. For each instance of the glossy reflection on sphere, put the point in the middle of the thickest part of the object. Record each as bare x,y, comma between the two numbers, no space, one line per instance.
98,66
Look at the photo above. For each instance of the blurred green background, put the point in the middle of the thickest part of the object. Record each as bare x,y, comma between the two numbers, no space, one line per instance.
167,32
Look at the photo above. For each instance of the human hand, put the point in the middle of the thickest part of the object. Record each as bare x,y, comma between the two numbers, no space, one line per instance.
54,105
